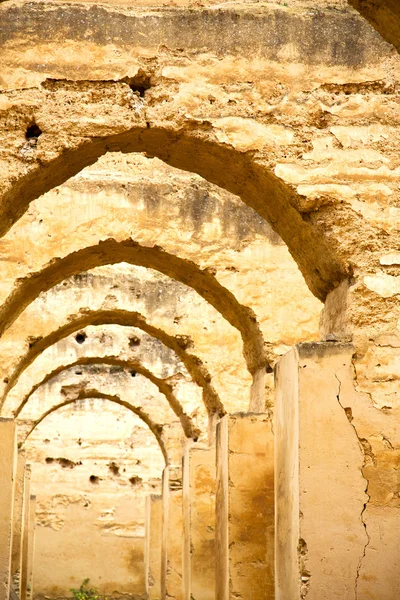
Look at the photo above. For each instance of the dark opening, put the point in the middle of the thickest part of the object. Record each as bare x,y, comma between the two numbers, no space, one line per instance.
94,479
133,373
134,341
139,83
114,468
80,337
33,131
135,480
32,340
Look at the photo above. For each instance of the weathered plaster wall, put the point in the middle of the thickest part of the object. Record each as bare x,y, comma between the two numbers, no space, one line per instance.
91,470
294,109
321,492
8,462
153,542
198,497
244,509
186,216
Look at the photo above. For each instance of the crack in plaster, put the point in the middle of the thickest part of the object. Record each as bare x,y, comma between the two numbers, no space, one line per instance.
362,514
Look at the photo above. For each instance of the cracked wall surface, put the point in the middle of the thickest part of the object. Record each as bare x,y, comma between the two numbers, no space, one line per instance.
181,186
319,465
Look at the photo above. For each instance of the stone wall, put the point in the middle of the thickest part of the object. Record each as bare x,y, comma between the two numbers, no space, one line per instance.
183,185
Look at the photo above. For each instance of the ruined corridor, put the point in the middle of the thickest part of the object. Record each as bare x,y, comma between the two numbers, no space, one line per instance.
199,300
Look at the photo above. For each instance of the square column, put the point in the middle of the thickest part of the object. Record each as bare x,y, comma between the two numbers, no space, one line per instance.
31,544
8,467
153,537
23,578
320,491
18,514
245,508
199,485
172,542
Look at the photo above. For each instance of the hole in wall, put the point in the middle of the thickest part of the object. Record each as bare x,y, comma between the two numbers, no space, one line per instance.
94,479
114,468
65,463
33,131
80,337
135,480
133,373
140,83
134,341
33,340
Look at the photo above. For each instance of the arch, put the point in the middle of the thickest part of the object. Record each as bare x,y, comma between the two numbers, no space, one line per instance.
178,344
155,428
384,16
111,252
163,386
192,146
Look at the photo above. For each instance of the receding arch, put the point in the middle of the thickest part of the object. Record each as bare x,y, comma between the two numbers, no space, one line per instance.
112,252
178,344
155,428
164,387
192,146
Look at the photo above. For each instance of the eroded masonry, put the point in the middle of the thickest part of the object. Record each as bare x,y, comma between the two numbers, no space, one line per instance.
199,299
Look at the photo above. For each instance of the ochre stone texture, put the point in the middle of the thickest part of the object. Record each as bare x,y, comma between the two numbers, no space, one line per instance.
31,544
184,186
93,463
199,556
322,493
384,15
8,468
23,575
18,513
245,508
153,532
172,544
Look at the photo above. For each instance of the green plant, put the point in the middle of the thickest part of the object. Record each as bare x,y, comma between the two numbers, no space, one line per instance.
84,592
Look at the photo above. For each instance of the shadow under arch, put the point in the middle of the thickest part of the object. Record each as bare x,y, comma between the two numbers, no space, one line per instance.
194,149
110,252
164,387
155,428
85,318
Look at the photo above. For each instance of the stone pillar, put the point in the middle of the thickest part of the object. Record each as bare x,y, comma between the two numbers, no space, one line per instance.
23,579
8,467
320,490
18,513
164,527
153,537
31,544
245,508
199,522
171,561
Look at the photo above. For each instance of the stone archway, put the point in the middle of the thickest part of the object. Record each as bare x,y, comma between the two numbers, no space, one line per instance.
182,145
164,387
